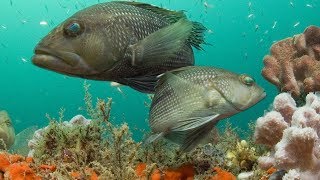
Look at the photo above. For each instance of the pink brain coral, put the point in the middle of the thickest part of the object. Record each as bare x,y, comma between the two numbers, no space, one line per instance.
294,63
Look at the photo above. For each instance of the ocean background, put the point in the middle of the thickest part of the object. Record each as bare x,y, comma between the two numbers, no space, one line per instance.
240,33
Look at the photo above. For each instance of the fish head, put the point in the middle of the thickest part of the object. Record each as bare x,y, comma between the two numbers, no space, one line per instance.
241,91
76,47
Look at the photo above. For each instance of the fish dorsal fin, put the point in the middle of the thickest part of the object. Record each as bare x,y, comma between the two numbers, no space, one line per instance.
162,44
197,35
165,77
171,16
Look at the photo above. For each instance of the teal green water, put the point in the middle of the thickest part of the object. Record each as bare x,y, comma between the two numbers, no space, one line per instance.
240,33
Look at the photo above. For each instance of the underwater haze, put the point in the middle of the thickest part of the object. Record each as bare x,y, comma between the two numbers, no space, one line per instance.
239,35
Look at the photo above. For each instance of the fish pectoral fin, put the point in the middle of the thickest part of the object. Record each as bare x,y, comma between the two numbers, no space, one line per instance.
153,138
190,136
195,121
145,84
161,44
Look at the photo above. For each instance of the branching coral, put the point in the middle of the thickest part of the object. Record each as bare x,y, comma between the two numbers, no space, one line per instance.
293,134
294,63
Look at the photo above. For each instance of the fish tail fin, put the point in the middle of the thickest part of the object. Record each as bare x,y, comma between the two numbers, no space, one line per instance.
196,37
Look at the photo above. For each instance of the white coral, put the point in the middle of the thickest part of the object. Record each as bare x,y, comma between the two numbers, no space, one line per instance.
293,134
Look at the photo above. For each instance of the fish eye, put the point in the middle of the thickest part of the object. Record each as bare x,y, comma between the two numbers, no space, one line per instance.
73,29
247,80
8,123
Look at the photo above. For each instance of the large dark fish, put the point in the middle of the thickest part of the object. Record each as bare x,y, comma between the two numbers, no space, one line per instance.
126,42
189,101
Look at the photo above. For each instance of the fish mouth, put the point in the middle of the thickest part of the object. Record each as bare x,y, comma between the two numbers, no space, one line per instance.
44,55
262,96
61,61
259,98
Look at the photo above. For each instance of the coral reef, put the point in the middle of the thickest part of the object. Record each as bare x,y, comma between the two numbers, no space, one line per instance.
292,133
294,63
95,148
7,134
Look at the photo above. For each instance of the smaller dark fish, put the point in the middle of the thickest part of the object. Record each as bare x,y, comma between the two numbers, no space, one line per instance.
189,101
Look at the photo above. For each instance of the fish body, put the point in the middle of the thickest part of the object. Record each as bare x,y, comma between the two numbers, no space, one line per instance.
189,101
7,134
126,42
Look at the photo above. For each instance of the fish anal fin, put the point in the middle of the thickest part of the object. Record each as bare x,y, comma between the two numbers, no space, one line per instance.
145,84
153,138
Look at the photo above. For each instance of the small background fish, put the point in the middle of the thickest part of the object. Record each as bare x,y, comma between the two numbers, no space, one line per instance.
189,101
126,42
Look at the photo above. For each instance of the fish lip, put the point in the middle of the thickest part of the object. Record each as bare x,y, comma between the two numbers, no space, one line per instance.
55,55
45,57
262,96
64,62
42,51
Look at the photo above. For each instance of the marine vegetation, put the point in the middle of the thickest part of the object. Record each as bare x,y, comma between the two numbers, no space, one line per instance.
81,150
